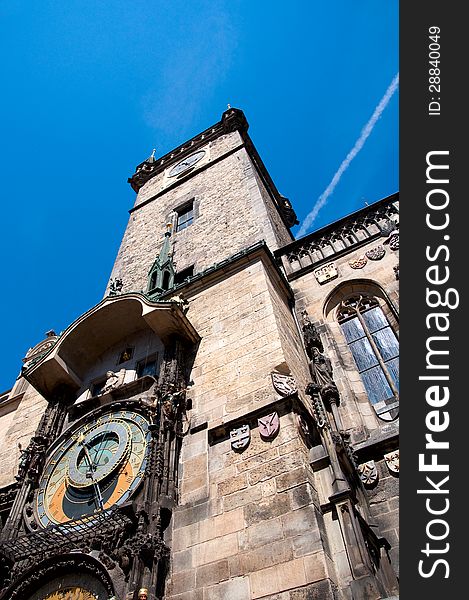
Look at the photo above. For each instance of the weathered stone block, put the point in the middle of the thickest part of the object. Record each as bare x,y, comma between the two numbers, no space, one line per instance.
258,459
233,484
291,479
315,567
251,494
217,549
275,467
307,543
212,573
223,524
299,521
195,466
264,532
185,537
267,508
322,590
276,579
188,516
183,581
303,495
234,589
266,556
182,561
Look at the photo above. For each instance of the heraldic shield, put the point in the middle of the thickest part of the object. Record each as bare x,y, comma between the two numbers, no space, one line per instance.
269,426
240,437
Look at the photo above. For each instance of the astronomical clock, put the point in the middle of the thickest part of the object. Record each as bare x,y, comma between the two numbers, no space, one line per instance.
98,482
93,466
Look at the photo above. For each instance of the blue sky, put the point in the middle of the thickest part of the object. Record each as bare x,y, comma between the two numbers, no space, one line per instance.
89,88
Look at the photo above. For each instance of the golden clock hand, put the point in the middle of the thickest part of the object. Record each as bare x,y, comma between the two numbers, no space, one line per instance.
101,445
96,488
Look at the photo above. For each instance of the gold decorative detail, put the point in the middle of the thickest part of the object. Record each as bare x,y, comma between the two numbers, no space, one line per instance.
71,593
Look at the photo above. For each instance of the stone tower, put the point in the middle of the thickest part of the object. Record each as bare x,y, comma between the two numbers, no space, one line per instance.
223,424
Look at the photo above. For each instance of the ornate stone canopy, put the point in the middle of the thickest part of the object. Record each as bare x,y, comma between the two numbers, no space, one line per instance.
85,340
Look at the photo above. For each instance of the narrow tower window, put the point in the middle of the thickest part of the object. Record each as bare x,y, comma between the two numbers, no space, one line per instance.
185,216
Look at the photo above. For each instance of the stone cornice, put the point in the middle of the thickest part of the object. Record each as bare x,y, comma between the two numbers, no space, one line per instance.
341,237
232,119
217,270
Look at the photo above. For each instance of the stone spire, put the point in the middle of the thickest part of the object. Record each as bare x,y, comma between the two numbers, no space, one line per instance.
161,275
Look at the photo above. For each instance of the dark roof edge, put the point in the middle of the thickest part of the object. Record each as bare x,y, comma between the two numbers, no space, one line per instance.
238,257
326,228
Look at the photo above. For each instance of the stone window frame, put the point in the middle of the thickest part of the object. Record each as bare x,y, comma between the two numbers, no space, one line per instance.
371,290
96,385
355,308
154,357
181,205
185,216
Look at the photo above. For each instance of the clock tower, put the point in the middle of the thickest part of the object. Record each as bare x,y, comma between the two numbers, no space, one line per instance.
223,423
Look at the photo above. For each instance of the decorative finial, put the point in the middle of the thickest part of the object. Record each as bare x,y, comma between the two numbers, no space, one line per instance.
228,106
153,153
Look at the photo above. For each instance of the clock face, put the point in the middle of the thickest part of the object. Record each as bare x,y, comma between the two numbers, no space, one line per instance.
186,163
97,465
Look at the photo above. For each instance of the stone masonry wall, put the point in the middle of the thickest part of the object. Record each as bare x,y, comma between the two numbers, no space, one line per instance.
258,531
21,427
356,410
248,524
230,215
358,415
384,504
240,345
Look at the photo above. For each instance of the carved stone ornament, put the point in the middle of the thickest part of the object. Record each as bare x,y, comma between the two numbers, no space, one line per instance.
240,437
376,253
326,273
387,227
113,381
269,426
396,271
283,384
392,461
368,472
359,263
115,286
303,429
393,240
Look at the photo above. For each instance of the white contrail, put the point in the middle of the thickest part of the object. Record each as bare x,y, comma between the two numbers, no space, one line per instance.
321,201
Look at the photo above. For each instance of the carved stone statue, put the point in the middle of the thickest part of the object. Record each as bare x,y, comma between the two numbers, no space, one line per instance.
320,369
115,286
113,380
170,402
311,336
32,459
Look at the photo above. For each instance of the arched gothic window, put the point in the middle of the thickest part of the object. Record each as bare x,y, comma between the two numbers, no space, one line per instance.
375,349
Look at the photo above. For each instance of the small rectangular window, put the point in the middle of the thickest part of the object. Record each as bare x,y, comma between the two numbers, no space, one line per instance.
97,386
185,216
149,366
181,276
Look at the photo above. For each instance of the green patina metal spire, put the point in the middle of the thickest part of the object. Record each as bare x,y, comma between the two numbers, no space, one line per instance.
161,275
